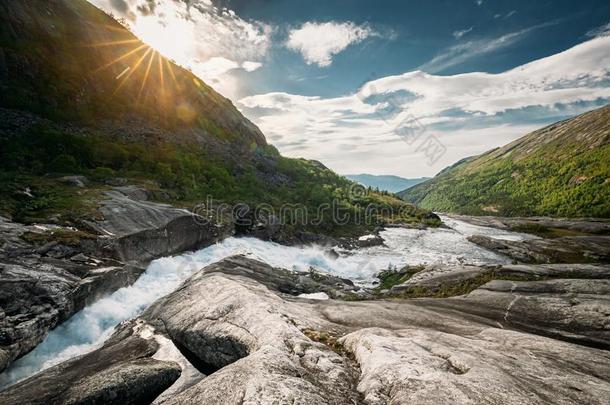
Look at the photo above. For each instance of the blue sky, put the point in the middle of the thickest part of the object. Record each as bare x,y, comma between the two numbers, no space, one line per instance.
379,86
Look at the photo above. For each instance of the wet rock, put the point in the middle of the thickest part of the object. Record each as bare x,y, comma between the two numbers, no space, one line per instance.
574,249
282,280
33,299
121,372
102,281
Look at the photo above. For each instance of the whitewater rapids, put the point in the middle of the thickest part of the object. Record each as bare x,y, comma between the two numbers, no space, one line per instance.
89,328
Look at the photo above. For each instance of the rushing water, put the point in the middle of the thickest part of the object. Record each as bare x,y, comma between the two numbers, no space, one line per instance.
88,329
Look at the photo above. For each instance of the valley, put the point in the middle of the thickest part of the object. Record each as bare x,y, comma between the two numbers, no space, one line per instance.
156,248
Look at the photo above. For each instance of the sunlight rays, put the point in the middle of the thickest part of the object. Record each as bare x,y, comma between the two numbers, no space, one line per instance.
161,78
146,74
120,58
133,69
137,66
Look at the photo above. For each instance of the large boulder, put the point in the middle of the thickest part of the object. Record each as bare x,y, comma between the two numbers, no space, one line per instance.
135,229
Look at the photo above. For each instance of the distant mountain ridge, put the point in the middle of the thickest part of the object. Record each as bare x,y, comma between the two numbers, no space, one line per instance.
562,170
390,183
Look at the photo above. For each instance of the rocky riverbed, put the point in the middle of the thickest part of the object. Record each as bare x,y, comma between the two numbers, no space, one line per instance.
50,272
279,324
236,332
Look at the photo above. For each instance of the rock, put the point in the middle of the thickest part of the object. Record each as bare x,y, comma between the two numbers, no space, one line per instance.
541,271
134,192
285,281
242,340
34,298
102,281
599,226
456,280
573,249
434,278
250,340
572,310
121,372
74,181
42,286
140,231
492,366
117,181
80,258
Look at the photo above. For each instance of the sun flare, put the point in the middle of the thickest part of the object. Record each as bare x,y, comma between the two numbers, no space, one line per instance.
173,39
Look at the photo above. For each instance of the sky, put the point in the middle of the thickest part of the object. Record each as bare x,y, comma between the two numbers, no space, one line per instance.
387,86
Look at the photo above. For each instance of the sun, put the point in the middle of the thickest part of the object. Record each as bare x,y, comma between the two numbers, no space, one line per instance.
174,39
142,53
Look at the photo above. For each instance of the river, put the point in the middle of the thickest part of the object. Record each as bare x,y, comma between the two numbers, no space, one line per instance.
89,328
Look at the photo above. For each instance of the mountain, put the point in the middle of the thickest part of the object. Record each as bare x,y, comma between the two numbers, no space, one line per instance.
389,183
82,96
560,170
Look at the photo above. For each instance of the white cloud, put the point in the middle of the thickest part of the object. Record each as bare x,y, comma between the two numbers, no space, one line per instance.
460,33
197,35
602,31
319,42
357,133
479,2
215,67
250,66
463,52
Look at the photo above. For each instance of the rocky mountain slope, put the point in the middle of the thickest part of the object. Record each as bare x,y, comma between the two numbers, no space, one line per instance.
559,170
83,96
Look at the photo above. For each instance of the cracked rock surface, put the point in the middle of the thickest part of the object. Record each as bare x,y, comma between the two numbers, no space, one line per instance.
240,335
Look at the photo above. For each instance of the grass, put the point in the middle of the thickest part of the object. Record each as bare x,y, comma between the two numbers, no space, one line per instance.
64,236
329,340
391,277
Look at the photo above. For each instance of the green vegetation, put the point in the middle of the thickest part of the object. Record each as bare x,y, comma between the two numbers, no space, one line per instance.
564,177
71,108
391,277
64,236
186,174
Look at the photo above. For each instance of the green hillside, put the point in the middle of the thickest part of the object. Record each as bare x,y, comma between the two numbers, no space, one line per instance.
562,170
82,96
